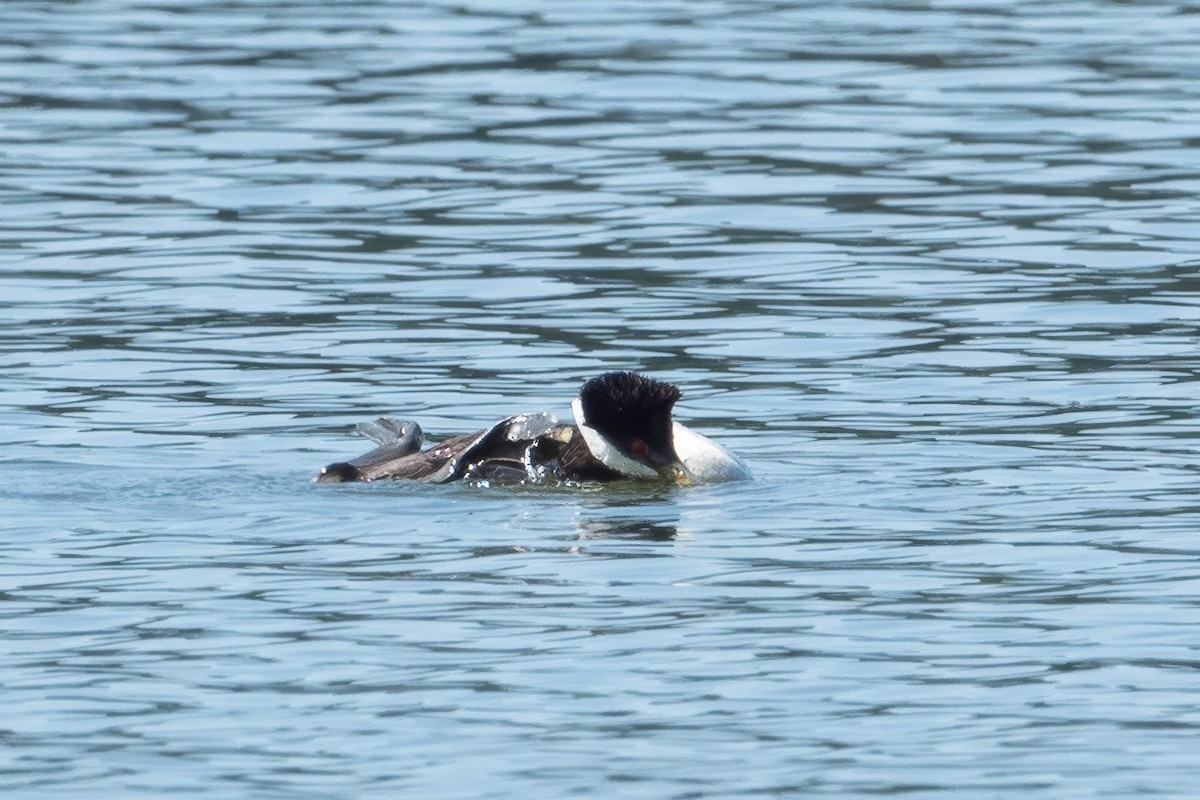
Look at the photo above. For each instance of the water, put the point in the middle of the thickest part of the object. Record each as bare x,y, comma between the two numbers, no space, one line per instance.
930,268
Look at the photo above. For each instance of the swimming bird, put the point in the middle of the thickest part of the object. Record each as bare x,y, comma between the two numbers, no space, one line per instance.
623,430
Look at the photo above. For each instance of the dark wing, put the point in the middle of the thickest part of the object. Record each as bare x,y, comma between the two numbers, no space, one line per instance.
504,444
390,461
505,441
563,454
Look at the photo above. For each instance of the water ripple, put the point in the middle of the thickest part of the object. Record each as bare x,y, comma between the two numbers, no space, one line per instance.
930,269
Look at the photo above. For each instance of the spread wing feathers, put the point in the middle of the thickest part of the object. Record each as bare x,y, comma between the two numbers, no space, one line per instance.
398,458
506,441
388,430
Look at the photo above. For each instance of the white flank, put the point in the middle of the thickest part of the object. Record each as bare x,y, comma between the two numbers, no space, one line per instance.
705,460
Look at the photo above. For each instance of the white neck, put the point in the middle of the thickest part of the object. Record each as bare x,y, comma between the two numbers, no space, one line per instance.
603,450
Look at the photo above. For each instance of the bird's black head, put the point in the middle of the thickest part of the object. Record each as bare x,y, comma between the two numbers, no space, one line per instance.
633,413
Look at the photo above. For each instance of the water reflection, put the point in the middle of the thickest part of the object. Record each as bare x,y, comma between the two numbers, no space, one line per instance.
930,268
627,529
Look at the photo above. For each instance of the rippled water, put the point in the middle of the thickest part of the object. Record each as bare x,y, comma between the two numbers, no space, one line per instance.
932,269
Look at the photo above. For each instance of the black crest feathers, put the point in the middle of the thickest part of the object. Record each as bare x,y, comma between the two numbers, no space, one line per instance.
627,401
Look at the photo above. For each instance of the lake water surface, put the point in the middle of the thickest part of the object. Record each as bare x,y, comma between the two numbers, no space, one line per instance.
932,269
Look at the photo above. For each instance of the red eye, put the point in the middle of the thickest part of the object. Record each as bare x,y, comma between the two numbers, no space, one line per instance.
639,447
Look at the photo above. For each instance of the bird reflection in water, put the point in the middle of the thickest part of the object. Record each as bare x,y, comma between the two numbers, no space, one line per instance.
636,529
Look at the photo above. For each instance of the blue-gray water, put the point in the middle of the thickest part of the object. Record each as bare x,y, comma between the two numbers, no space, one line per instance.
932,269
